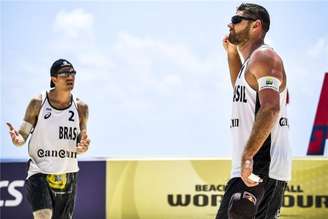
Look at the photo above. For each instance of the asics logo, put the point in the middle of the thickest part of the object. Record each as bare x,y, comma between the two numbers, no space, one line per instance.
47,115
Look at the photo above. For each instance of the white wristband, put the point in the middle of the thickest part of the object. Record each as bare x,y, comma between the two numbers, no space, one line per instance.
26,127
255,178
268,82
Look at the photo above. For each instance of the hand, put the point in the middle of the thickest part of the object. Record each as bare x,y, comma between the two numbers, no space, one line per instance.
246,171
16,138
84,143
229,47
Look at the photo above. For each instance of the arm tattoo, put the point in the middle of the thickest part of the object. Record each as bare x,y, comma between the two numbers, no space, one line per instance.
83,115
31,115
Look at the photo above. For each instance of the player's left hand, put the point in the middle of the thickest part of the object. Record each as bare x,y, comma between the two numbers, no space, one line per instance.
84,143
246,171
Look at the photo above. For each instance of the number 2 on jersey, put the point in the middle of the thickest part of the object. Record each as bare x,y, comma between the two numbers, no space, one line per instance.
71,118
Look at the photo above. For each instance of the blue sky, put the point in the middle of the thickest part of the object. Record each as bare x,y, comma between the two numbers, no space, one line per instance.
154,73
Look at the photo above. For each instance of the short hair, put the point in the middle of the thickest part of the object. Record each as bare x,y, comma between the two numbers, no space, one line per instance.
257,12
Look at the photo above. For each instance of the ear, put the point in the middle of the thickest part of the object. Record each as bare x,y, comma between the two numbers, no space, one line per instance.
256,24
54,79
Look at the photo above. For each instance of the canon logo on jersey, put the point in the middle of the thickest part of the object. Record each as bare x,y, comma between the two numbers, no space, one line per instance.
12,190
56,153
283,121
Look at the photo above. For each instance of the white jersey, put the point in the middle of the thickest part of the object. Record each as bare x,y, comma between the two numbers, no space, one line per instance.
274,157
52,146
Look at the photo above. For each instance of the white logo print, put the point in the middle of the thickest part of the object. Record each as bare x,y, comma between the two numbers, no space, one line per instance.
13,191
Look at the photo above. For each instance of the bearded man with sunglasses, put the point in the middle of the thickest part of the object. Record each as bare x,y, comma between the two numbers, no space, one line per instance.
57,123
261,160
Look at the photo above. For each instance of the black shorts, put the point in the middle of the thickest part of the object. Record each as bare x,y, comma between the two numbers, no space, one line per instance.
56,192
261,202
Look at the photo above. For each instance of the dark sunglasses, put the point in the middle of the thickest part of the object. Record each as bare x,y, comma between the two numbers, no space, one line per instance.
66,74
237,19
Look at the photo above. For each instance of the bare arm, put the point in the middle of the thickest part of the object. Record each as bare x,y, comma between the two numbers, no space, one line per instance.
84,143
262,63
31,115
234,61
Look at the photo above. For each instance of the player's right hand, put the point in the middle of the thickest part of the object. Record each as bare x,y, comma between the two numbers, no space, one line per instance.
246,171
16,138
229,47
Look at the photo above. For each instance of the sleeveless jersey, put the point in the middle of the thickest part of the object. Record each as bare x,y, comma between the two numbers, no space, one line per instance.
274,157
52,146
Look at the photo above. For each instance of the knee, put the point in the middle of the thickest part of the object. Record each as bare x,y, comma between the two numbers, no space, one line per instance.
242,205
43,214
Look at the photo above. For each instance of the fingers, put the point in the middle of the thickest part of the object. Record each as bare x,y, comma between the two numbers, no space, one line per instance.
84,138
249,182
84,134
226,39
246,171
19,140
12,130
13,133
228,46
84,143
83,146
245,177
81,149
225,42
16,138
10,126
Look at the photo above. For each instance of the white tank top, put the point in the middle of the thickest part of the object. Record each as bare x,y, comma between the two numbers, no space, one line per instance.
274,157
52,146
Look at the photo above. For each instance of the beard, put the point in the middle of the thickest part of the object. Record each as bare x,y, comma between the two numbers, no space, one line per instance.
241,37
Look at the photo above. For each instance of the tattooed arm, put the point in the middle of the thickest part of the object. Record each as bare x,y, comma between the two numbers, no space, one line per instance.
84,143
31,115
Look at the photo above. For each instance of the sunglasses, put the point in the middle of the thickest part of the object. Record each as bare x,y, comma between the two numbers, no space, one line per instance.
66,74
237,19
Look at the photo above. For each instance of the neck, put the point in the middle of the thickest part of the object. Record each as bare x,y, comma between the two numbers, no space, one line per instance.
60,97
247,48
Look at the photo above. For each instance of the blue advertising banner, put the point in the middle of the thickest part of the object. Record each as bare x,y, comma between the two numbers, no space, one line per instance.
13,203
91,191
